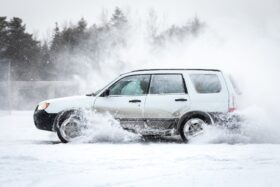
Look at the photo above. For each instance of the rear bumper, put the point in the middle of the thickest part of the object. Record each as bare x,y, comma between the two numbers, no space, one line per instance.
231,120
44,120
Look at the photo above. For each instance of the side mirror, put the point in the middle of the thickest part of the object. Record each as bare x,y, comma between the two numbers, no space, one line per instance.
106,93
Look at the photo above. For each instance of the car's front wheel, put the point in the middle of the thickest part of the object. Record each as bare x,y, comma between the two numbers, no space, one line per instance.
192,128
69,126
69,130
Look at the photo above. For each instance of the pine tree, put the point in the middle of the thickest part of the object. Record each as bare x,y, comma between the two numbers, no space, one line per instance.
118,18
45,53
3,35
22,49
56,40
196,26
21,45
82,25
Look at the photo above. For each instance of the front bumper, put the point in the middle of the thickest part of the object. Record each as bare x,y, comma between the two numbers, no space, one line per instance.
44,120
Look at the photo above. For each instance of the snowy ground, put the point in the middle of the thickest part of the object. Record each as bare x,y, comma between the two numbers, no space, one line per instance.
30,157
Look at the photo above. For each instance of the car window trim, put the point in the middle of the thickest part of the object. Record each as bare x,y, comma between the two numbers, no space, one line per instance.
183,79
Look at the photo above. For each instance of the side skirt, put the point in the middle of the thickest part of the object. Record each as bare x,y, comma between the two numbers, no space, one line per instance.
151,126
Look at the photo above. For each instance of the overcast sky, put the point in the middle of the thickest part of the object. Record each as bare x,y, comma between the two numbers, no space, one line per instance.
40,15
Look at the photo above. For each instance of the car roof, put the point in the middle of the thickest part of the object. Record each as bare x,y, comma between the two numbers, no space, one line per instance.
178,69
147,71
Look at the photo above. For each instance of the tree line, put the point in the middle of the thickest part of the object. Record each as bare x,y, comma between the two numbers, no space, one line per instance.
76,45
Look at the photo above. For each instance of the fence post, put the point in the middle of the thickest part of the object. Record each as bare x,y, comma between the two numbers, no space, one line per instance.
9,87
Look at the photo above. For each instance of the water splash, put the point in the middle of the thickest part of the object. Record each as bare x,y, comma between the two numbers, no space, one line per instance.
103,128
256,128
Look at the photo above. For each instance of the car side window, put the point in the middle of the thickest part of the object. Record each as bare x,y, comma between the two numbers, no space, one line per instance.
167,84
131,85
206,83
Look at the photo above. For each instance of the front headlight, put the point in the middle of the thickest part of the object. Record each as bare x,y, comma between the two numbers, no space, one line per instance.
43,106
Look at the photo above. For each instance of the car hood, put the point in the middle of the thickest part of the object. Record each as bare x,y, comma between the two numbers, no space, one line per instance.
64,103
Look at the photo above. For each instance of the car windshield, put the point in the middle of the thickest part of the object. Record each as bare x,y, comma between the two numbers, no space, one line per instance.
99,90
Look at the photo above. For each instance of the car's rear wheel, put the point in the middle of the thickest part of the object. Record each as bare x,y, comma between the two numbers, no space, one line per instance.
192,128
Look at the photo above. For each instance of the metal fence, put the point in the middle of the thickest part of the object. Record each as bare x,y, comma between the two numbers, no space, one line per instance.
5,85
25,95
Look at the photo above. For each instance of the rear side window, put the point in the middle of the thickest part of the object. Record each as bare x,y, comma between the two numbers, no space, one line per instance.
206,83
167,84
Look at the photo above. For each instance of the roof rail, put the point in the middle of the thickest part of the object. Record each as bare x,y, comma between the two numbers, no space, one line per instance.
174,69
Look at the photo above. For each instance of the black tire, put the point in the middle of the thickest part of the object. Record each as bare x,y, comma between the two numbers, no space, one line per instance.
200,119
61,137
65,118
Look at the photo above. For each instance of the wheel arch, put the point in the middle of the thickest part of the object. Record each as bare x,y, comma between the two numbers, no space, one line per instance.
64,114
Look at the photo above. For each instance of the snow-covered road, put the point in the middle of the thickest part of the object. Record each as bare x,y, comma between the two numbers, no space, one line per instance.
30,157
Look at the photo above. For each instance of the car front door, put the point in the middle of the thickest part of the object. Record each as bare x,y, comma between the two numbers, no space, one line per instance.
125,98
166,101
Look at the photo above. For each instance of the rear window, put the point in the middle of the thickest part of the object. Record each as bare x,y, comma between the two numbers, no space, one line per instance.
206,83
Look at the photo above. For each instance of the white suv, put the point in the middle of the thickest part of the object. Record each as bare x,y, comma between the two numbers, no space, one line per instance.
149,102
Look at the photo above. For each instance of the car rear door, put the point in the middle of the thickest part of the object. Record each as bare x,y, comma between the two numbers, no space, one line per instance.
166,101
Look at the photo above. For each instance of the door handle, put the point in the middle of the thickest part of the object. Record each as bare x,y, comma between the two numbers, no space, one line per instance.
135,101
181,99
